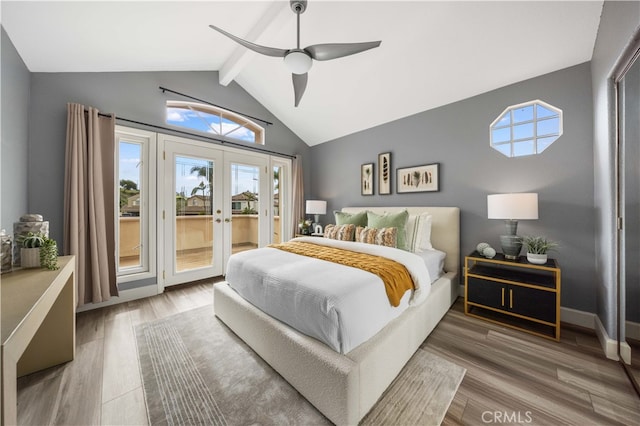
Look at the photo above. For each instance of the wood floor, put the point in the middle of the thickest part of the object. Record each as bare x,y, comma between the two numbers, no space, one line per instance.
511,377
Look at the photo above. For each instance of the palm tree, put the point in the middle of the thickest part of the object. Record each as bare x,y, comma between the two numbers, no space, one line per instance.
205,171
250,196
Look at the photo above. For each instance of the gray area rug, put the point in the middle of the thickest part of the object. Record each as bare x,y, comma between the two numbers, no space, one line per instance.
196,371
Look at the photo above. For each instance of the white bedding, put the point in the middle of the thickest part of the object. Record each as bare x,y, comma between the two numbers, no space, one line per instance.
336,304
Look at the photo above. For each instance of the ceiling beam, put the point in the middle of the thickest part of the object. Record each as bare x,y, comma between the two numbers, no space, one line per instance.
276,15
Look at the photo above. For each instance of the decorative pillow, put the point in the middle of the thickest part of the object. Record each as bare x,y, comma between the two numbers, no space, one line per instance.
419,232
383,237
358,219
340,232
391,220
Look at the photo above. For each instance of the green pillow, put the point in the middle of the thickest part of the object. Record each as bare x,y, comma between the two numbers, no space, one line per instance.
358,219
391,220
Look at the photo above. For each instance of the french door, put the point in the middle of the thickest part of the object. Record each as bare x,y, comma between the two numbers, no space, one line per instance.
212,202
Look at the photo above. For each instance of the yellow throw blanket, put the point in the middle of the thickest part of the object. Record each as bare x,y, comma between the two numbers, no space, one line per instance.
395,276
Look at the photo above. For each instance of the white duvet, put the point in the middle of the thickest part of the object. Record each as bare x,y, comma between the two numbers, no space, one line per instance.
336,304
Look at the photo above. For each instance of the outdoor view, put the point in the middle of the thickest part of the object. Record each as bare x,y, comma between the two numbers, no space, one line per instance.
195,211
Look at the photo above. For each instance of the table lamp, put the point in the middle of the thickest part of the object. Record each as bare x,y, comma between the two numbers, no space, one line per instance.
316,208
511,208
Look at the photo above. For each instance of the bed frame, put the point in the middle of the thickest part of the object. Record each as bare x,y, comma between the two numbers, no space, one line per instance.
344,387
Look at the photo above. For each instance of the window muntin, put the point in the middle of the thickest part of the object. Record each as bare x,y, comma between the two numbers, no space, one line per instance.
526,129
213,120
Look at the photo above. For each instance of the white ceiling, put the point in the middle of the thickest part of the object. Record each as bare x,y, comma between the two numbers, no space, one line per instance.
432,53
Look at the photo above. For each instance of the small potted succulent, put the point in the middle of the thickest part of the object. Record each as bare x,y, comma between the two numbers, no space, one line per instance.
36,250
537,248
30,244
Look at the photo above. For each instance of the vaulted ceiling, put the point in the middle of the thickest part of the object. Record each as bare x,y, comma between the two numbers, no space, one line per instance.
432,53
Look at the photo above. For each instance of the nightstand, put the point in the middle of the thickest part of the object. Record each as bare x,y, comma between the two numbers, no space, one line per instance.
514,293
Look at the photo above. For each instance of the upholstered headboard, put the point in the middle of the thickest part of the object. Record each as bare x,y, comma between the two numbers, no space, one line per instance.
445,229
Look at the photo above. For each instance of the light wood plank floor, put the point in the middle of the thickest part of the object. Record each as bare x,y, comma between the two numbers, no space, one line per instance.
511,377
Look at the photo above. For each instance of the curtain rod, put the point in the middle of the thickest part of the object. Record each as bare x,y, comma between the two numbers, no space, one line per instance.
164,89
220,141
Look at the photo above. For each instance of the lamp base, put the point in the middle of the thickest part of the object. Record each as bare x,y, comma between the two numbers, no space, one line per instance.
511,246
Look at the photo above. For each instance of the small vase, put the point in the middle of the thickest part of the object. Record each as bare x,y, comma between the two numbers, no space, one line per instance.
30,257
538,259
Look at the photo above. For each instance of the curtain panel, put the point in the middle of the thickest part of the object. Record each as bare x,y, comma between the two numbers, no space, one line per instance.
89,202
298,192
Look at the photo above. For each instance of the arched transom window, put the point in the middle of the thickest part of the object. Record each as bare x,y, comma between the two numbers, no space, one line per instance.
526,129
213,120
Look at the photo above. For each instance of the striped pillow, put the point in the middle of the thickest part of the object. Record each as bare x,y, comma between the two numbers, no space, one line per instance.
383,236
419,232
340,232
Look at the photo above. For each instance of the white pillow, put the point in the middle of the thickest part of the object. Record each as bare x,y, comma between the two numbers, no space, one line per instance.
419,232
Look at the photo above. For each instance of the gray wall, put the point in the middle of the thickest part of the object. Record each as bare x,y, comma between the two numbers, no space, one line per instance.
15,134
131,95
457,137
617,25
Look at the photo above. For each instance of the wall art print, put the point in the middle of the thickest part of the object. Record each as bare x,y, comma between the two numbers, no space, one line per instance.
366,179
418,178
384,173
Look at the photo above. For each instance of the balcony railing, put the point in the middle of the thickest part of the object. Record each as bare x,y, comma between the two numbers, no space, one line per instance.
194,239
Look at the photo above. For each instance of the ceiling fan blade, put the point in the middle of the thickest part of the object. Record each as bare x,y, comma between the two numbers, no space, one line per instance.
299,85
325,52
269,51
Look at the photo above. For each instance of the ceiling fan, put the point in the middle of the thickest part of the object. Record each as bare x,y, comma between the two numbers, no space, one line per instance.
299,60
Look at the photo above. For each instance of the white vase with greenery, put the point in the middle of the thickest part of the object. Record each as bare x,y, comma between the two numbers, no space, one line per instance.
537,248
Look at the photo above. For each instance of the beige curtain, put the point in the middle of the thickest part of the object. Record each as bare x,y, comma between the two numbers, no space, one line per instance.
89,218
298,192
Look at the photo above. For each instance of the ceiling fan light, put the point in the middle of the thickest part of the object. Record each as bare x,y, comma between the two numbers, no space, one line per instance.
298,61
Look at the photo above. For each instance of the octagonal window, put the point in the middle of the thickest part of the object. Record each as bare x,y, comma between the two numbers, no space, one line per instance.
526,129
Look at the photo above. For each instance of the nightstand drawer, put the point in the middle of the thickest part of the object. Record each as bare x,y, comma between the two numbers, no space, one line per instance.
487,293
514,293
533,303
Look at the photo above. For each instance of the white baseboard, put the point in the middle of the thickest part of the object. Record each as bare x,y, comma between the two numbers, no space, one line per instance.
125,296
632,330
609,345
576,317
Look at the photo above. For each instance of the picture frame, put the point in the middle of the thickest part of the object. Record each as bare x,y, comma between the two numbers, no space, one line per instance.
423,178
366,179
384,173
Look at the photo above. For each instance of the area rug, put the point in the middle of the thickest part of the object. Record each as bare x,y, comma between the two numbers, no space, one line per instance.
196,371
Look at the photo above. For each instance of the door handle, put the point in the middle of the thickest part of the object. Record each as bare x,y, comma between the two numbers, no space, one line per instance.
227,220
510,298
218,220
502,296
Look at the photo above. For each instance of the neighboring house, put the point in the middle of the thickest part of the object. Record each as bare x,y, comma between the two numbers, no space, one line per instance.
241,202
197,204
133,206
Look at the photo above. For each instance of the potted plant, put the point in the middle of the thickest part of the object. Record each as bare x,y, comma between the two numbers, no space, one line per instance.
30,244
537,248
49,254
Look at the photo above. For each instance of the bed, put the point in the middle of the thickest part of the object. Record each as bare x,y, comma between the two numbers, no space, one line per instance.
344,387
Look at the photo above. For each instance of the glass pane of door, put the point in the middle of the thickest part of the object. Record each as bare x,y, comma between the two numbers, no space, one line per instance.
194,183
277,199
245,206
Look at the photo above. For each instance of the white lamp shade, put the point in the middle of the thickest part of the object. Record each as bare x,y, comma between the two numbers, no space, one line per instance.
512,206
316,207
298,61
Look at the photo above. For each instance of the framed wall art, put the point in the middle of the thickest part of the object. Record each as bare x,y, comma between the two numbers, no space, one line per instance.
418,178
366,179
384,173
